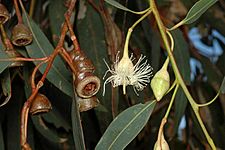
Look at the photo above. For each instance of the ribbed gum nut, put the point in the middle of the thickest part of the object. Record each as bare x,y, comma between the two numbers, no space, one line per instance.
160,83
40,104
12,53
162,144
4,14
21,35
86,104
87,85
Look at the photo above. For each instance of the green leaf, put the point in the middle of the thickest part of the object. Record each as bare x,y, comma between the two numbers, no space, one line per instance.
180,107
45,131
3,55
92,41
222,87
57,119
181,54
197,10
119,6
56,10
78,135
211,70
41,47
126,126
6,86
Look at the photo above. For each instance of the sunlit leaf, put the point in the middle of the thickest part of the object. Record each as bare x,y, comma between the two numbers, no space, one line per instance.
41,47
197,10
126,126
222,88
119,6
6,86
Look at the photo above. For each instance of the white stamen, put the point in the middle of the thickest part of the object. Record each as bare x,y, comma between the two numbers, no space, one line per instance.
125,73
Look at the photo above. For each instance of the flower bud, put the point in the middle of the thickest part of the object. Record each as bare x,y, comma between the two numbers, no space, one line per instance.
161,144
160,83
40,104
4,14
21,35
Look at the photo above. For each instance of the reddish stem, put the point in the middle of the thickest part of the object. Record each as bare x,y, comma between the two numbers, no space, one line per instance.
24,59
18,14
72,35
35,89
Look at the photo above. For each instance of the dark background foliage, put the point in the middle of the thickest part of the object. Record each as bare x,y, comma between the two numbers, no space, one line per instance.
101,34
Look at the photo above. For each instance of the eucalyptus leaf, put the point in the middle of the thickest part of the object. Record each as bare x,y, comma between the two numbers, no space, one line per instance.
222,87
180,107
78,135
45,131
56,10
6,86
57,119
197,10
119,6
41,47
92,41
181,54
126,126
3,55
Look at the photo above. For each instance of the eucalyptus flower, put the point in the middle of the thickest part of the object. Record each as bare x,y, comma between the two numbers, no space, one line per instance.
125,73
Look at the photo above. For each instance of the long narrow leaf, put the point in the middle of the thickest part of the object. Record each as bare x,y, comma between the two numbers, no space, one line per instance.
41,47
45,131
119,6
3,55
77,126
6,86
222,87
197,10
126,126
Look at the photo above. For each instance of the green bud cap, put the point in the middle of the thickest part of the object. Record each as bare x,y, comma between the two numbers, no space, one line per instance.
160,83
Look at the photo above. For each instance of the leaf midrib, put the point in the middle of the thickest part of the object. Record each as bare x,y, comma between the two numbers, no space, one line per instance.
130,123
195,14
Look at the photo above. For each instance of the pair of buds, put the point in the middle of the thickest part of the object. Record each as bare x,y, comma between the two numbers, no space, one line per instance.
86,83
21,34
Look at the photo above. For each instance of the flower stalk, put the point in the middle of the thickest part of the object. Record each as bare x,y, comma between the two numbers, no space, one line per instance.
177,73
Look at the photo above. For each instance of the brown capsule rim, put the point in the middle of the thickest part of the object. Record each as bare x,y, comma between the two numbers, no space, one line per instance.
4,14
80,87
